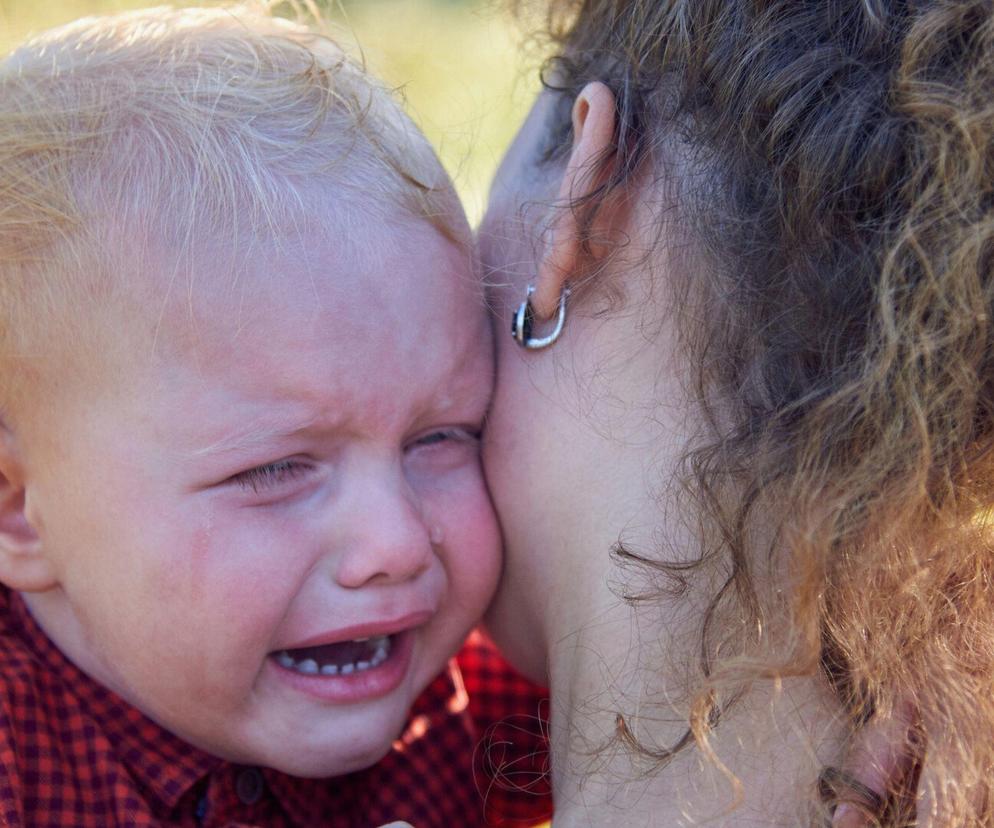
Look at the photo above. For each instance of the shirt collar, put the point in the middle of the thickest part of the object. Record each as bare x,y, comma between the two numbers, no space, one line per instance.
161,763
166,768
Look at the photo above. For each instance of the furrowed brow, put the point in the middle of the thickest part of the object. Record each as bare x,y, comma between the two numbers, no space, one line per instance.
248,440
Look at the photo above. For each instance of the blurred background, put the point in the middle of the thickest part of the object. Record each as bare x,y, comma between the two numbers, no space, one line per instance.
461,66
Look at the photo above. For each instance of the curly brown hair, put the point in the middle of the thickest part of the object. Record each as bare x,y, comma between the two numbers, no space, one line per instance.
846,355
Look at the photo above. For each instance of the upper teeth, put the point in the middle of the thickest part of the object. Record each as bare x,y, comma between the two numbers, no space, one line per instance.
309,667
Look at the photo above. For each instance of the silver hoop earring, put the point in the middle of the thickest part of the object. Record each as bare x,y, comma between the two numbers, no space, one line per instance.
524,320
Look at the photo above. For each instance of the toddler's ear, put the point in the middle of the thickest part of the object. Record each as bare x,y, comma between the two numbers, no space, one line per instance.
23,564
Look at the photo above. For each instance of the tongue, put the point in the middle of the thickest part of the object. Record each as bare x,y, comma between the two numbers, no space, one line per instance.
344,652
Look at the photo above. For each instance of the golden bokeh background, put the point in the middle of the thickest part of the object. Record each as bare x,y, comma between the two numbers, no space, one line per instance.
459,65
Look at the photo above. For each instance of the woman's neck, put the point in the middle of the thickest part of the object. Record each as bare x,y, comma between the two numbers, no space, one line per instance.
608,659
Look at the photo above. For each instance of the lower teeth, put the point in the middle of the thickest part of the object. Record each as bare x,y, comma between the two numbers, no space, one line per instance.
310,667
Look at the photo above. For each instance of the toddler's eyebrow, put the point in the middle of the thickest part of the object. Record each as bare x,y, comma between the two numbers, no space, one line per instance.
250,439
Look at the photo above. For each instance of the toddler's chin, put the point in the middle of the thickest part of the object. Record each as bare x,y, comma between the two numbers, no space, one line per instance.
321,767
327,767
349,741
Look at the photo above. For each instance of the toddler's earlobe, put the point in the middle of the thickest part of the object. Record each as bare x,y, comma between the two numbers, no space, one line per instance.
23,565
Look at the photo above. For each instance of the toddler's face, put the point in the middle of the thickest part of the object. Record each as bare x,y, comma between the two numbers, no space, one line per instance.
273,534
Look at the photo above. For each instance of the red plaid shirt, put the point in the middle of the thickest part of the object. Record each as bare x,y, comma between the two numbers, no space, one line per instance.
74,754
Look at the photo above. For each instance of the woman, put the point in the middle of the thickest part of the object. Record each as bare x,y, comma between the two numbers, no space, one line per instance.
744,488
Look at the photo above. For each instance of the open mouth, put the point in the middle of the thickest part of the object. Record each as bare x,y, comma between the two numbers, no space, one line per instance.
339,659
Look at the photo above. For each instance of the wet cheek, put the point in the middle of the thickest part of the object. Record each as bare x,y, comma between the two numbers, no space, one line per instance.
200,546
472,548
241,576
460,518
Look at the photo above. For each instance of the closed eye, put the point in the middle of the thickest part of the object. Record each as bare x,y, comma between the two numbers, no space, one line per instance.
270,475
460,435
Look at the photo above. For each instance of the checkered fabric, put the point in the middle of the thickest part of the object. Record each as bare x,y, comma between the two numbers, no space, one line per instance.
74,754
511,762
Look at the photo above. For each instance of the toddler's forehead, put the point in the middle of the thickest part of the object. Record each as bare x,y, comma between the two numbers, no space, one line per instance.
164,297
327,267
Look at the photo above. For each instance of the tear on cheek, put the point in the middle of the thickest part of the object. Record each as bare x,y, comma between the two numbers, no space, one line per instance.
197,555
485,564
199,548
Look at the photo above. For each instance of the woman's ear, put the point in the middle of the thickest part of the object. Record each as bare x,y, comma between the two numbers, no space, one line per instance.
23,565
593,139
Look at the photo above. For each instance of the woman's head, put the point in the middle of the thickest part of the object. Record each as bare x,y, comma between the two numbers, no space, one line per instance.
794,213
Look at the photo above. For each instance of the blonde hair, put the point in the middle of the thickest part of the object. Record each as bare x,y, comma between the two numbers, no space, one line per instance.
184,126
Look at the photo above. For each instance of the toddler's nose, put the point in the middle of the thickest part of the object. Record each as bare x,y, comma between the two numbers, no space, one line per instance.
389,542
